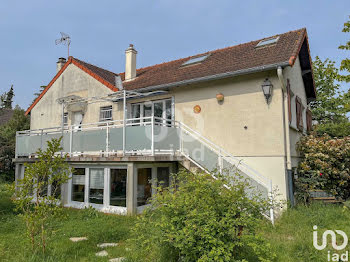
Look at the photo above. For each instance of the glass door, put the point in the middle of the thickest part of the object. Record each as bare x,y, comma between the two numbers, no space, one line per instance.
159,108
147,111
118,187
144,185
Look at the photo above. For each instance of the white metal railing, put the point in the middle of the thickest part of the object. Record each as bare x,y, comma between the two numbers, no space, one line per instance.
141,136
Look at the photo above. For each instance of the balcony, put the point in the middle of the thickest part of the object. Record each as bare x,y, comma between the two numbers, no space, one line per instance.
141,136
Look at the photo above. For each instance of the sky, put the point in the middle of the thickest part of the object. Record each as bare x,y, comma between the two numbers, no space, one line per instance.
161,30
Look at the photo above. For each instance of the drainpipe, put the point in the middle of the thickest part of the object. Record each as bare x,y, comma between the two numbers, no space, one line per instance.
286,134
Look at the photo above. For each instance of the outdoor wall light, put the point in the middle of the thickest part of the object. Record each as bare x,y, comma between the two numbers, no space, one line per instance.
220,97
267,89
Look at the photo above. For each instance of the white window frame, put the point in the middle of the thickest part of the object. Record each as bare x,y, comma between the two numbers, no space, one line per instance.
152,102
104,112
105,207
154,167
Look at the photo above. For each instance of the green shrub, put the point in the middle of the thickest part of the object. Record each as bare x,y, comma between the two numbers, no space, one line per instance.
324,165
341,129
199,219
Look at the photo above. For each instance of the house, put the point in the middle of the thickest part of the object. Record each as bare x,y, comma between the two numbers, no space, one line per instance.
243,107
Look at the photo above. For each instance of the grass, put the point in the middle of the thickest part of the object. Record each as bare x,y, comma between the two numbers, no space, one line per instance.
290,238
97,227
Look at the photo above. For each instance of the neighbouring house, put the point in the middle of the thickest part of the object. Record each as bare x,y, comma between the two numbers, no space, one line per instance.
242,107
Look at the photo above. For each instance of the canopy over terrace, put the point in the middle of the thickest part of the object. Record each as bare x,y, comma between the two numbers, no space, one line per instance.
122,95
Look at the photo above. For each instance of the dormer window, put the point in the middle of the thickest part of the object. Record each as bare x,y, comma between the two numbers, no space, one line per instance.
105,113
269,41
195,60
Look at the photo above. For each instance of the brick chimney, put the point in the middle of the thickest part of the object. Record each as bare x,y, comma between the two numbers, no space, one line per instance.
130,63
60,63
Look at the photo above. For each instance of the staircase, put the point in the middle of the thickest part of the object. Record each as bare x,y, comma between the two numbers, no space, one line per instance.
202,154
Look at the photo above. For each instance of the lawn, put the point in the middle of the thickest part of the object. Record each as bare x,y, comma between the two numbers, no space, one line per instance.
291,238
97,227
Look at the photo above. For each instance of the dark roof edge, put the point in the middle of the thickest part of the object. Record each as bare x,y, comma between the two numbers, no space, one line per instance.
217,76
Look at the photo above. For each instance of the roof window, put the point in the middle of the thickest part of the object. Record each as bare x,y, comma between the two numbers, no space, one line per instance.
269,41
195,60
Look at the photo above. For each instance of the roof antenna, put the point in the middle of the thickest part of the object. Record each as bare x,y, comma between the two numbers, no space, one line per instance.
65,39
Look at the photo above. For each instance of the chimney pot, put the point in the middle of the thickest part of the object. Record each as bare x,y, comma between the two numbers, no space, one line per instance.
130,63
60,63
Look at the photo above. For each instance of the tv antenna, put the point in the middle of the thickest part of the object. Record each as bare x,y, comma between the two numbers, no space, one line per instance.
65,40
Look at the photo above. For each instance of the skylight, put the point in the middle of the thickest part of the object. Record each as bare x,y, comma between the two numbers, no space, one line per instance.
196,60
268,41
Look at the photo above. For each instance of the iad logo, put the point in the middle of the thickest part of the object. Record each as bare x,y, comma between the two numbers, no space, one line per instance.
334,256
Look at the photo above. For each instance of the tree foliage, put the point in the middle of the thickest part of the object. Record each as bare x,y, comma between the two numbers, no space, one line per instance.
8,131
331,104
6,99
345,63
199,219
37,195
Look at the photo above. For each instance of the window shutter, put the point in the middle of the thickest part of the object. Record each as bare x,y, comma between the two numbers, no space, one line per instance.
299,111
289,102
308,120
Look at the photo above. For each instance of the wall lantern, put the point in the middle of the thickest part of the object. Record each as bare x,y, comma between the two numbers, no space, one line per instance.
220,97
267,89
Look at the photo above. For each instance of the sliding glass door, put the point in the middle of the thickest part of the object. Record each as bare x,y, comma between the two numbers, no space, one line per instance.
118,187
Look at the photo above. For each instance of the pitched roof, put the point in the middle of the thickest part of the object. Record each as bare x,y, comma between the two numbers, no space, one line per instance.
230,59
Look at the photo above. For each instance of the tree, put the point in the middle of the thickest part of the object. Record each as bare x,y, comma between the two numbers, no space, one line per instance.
331,104
6,99
9,97
36,95
345,63
37,195
8,131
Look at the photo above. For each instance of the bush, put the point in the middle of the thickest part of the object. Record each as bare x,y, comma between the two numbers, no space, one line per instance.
324,165
198,219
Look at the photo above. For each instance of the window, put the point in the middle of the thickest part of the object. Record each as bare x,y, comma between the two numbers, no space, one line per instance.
269,41
299,111
144,185
78,180
118,187
65,119
159,109
96,185
106,113
136,112
195,60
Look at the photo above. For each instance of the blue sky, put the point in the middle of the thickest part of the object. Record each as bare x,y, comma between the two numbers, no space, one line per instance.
161,30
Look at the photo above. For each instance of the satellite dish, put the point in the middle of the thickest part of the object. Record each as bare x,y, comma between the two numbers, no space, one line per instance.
65,40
